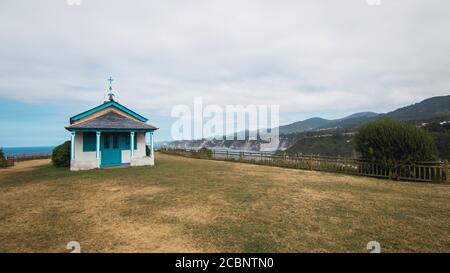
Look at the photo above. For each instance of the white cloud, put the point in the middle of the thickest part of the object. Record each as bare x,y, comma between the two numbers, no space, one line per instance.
307,56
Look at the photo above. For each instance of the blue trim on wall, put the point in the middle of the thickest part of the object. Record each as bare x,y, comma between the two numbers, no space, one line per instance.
112,130
106,105
114,165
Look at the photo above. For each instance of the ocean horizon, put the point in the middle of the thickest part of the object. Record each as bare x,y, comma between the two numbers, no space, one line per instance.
14,151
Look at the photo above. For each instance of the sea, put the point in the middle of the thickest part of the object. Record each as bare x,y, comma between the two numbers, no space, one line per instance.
14,151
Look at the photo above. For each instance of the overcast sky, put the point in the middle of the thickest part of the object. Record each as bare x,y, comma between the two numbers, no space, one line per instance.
313,58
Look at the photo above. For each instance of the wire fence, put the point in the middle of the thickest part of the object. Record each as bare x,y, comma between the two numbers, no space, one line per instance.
6,162
436,171
26,157
9,161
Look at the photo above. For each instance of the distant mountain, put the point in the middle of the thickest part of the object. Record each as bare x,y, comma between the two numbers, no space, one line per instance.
435,107
353,121
325,145
432,109
313,124
429,109
361,115
305,125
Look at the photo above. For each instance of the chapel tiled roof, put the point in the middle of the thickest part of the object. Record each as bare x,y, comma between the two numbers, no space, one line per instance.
111,121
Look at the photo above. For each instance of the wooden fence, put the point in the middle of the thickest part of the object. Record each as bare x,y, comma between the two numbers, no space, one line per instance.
26,157
417,171
10,160
6,162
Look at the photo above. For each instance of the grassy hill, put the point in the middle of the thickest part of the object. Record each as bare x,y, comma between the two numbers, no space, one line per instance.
193,205
433,109
296,137
327,145
305,125
436,107
313,124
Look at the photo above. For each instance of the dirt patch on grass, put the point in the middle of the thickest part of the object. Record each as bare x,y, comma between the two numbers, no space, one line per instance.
196,214
122,231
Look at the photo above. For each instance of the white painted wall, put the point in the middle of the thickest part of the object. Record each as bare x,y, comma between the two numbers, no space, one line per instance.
140,145
126,156
83,160
79,154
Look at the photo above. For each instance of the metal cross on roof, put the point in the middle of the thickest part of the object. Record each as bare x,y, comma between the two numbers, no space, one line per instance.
110,80
110,94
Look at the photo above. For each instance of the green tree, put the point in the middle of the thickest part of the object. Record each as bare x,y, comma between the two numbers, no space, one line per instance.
61,155
388,141
2,154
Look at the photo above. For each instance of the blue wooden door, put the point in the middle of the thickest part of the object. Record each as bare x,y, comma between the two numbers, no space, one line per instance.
111,152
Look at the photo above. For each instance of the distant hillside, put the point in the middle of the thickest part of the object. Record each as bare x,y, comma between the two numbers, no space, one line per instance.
361,115
305,125
313,124
303,136
336,143
354,120
327,145
436,107
429,109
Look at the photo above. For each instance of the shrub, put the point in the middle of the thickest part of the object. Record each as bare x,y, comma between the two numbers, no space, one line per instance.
2,159
61,155
147,150
388,141
204,153
441,136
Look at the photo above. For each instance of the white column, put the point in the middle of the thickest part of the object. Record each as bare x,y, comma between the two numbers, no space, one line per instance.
132,144
151,145
97,146
72,146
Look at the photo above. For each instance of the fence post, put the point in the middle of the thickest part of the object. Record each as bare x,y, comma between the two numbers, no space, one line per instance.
310,162
447,171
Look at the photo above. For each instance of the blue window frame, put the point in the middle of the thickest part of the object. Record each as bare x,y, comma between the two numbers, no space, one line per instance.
127,141
89,142
106,141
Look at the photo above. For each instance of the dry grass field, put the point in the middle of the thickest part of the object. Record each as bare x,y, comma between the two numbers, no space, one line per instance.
193,205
